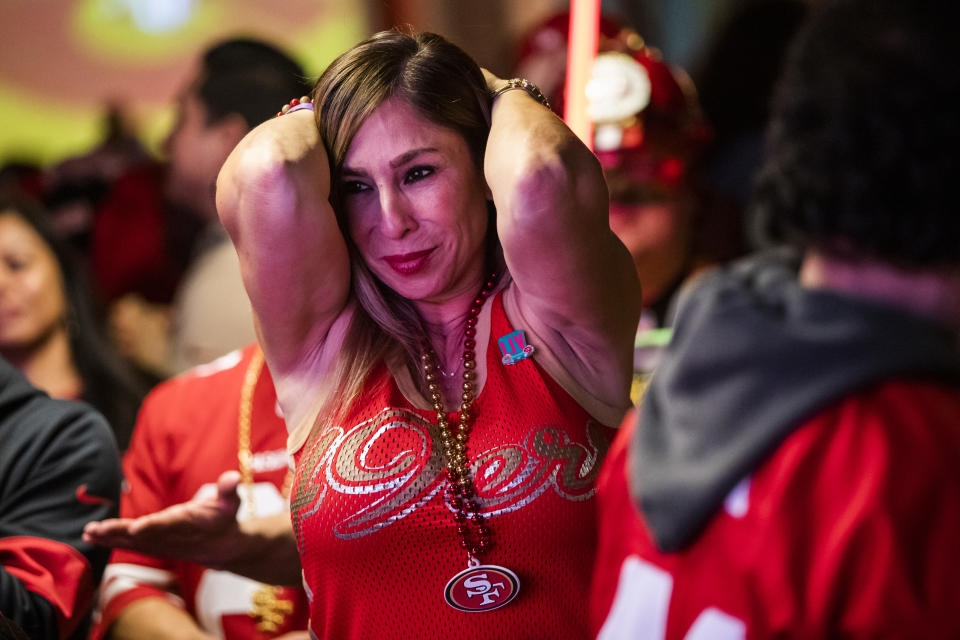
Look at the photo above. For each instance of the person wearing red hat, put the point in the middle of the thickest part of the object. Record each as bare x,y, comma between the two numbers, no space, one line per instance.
648,133
793,472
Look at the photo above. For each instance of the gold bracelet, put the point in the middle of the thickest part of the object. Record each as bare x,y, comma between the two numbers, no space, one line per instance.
525,85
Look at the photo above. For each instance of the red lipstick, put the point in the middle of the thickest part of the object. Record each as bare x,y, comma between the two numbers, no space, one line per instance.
407,264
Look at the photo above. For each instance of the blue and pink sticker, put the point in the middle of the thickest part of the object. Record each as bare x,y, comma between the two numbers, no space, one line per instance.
514,347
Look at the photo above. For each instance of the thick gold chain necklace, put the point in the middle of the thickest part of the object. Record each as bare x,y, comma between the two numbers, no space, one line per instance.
268,607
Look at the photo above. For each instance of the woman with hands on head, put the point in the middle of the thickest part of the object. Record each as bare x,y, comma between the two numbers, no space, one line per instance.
449,320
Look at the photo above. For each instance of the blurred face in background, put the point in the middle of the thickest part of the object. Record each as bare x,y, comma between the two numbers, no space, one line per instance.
653,220
32,301
196,149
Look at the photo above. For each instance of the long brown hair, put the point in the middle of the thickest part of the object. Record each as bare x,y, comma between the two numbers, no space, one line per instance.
442,83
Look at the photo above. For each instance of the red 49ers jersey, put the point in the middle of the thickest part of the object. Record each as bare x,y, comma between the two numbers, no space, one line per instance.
376,532
186,436
848,529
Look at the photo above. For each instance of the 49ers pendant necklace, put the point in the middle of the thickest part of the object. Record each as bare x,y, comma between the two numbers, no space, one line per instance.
479,587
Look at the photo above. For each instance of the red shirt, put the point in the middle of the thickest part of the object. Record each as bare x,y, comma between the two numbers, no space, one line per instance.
377,537
850,527
139,244
185,437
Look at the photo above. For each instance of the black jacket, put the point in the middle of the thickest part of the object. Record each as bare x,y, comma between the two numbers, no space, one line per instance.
59,469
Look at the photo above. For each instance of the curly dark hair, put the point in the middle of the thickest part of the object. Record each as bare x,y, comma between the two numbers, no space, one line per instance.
865,133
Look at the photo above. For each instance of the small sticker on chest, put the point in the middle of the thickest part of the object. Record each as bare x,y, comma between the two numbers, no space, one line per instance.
514,347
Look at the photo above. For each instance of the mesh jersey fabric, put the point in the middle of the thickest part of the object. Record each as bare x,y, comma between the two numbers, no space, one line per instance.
377,537
848,529
186,436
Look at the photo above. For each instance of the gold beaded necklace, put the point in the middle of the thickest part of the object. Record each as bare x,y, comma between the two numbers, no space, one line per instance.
268,606
479,587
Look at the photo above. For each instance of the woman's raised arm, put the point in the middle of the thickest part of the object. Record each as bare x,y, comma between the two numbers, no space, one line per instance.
273,199
575,281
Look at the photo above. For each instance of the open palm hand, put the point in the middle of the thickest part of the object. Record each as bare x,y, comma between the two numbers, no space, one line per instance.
203,531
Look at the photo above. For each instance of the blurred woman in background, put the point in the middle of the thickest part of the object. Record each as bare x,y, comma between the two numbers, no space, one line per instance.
47,325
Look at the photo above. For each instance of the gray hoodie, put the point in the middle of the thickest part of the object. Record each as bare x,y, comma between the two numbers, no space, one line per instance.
753,355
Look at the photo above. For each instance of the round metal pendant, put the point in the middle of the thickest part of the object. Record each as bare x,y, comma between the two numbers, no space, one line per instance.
482,588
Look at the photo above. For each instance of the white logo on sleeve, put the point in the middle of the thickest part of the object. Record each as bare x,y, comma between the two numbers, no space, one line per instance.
642,602
737,502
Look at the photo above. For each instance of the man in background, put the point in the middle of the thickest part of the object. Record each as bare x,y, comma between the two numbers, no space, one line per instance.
649,134
795,469
239,84
218,417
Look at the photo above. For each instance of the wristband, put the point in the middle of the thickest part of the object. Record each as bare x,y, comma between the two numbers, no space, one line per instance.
296,105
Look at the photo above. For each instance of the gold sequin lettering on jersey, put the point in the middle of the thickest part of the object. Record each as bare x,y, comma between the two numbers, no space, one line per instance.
510,477
395,458
391,466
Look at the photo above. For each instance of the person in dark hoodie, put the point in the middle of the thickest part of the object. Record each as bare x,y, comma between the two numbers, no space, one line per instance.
795,470
59,469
